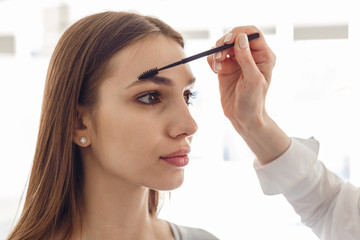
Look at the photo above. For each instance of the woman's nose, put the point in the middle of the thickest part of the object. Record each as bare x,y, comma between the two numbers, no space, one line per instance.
182,123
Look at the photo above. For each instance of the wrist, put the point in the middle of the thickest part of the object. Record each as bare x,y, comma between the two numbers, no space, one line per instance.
266,140
252,126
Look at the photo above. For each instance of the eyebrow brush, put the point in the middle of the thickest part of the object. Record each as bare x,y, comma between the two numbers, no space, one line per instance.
152,72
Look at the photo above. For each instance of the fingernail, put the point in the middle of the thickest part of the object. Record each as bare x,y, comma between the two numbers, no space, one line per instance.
228,37
243,41
217,66
217,55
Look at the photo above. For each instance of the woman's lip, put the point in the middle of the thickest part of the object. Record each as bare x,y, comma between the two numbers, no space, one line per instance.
178,153
178,158
178,161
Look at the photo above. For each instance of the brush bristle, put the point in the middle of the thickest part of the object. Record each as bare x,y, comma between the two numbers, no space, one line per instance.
149,73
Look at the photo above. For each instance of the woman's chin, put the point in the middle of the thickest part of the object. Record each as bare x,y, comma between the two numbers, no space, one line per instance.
170,184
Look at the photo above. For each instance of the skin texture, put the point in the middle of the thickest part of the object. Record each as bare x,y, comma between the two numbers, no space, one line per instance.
244,74
127,136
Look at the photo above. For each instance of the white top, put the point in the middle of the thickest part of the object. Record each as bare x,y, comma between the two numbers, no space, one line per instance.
325,202
188,233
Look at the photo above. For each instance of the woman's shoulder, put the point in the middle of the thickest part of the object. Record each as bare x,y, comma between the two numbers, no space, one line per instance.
189,233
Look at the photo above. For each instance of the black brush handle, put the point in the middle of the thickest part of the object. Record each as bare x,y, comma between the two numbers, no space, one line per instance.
206,53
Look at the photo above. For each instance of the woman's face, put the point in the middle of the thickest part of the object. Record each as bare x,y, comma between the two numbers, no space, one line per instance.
143,128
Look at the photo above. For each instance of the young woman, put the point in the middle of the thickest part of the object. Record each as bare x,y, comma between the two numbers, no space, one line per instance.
108,141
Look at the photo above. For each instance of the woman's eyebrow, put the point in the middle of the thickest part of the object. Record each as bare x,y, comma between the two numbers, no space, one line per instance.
155,79
158,80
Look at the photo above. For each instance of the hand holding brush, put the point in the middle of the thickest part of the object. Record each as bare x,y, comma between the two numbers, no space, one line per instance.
154,71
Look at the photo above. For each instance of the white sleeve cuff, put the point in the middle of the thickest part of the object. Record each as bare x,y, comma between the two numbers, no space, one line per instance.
290,168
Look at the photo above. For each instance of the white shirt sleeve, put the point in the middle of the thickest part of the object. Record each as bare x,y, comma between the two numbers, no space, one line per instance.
324,201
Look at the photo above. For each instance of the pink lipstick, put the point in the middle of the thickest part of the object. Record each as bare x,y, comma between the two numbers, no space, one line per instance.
179,158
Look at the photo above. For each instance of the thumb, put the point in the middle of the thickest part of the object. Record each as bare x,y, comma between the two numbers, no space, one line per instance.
243,55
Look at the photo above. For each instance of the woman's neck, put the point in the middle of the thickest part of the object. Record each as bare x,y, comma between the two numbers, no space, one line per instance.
114,208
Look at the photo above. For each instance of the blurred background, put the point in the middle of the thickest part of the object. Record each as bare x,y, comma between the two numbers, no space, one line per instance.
314,92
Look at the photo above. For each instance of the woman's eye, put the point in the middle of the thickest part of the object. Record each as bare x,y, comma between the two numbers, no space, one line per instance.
188,95
149,98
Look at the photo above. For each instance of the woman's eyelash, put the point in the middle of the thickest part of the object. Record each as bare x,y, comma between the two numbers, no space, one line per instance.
154,97
149,98
190,95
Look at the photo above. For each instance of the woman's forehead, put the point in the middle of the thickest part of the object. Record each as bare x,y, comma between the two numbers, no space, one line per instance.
154,51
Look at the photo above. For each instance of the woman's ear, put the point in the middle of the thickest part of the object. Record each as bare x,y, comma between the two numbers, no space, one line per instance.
81,131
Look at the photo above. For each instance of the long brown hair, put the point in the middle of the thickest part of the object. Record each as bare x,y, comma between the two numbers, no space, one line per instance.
77,67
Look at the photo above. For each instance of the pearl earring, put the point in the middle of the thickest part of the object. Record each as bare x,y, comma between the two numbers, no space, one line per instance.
83,140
